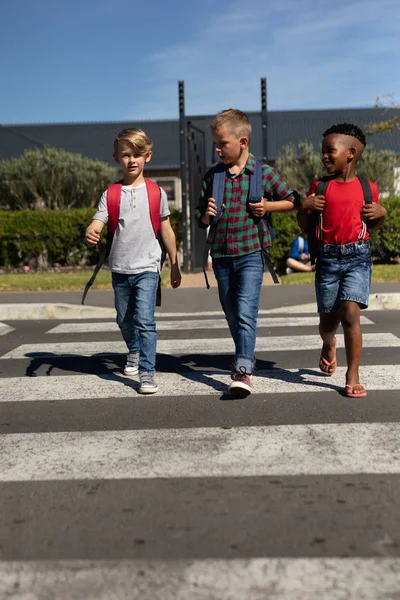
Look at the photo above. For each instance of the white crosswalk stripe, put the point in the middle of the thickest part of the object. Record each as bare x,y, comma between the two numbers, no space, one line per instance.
193,383
202,452
190,468
256,578
4,329
193,324
177,347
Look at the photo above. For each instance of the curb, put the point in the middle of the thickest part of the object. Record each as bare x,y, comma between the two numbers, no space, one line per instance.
61,311
56,311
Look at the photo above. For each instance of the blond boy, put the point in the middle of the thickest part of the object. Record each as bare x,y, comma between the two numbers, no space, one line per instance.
135,256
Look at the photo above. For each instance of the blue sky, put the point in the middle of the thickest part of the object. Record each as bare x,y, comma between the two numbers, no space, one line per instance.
102,60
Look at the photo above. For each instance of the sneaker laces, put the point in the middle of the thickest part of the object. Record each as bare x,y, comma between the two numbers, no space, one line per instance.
146,378
241,374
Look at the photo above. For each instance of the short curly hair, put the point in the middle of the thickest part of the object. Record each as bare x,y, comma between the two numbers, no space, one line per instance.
347,129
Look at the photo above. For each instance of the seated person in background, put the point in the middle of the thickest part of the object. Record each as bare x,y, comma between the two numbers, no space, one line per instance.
299,257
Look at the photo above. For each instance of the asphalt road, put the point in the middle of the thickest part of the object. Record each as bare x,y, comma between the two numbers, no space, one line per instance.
289,493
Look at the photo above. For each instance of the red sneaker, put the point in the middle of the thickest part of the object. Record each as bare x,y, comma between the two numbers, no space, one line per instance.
241,382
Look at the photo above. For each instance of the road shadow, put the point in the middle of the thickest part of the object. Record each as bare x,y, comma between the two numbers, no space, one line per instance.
198,368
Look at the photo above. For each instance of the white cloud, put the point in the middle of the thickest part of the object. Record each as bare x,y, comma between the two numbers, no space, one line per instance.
314,54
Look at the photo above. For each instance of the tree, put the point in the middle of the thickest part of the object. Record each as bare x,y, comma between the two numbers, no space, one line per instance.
300,168
391,109
378,166
52,179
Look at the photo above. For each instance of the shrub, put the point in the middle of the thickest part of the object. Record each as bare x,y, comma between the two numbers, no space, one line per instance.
52,237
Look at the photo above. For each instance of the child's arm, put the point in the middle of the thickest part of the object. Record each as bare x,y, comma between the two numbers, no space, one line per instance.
169,239
310,203
92,235
282,197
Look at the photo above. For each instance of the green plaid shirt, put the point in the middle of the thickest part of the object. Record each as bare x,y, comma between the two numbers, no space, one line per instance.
236,233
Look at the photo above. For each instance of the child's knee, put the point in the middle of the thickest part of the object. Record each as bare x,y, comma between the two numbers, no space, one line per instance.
349,314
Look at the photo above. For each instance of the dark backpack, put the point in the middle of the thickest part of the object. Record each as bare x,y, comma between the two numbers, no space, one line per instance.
255,194
314,228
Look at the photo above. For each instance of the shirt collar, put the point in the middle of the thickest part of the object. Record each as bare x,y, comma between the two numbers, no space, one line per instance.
249,167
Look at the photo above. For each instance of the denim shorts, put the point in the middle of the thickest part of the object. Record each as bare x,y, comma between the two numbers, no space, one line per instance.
342,273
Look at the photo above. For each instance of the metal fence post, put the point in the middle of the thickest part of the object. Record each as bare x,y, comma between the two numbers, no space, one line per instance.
183,169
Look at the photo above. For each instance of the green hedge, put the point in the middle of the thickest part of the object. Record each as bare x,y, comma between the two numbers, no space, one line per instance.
50,237
47,238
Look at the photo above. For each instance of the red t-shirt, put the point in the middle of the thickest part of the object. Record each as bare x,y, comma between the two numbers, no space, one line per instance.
341,219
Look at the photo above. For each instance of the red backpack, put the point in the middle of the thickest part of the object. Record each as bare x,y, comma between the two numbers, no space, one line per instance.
114,199
113,204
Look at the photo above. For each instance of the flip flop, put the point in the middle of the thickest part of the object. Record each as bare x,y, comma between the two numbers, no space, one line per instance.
348,391
332,364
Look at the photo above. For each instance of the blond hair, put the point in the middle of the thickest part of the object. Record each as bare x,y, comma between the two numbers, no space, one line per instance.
135,137
236,120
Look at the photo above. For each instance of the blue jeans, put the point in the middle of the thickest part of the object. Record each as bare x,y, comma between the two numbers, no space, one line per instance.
239,286
135,301
342,273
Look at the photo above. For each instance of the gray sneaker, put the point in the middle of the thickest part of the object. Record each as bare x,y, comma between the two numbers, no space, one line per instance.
147,383
132,364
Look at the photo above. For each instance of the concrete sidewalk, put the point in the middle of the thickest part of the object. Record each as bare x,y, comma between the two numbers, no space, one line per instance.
191,297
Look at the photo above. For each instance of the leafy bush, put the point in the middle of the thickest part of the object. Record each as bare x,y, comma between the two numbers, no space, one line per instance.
52,237
49,238
53,179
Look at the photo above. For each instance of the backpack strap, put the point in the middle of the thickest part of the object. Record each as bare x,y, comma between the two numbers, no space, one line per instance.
218,190
367,193
113,202
368,200
255,187
154,196
314,227
255,195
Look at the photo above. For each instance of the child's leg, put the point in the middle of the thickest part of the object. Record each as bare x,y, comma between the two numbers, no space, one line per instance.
354,293
249,272
350,319
297,265
145,289
226,280
124,305
328,324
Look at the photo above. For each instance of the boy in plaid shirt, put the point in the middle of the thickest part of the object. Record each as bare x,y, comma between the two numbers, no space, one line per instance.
236,248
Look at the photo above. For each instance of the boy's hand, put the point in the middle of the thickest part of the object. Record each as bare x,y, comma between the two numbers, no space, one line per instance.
258,209
371,212
314,202
211,211
92,236
176,276
304,256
